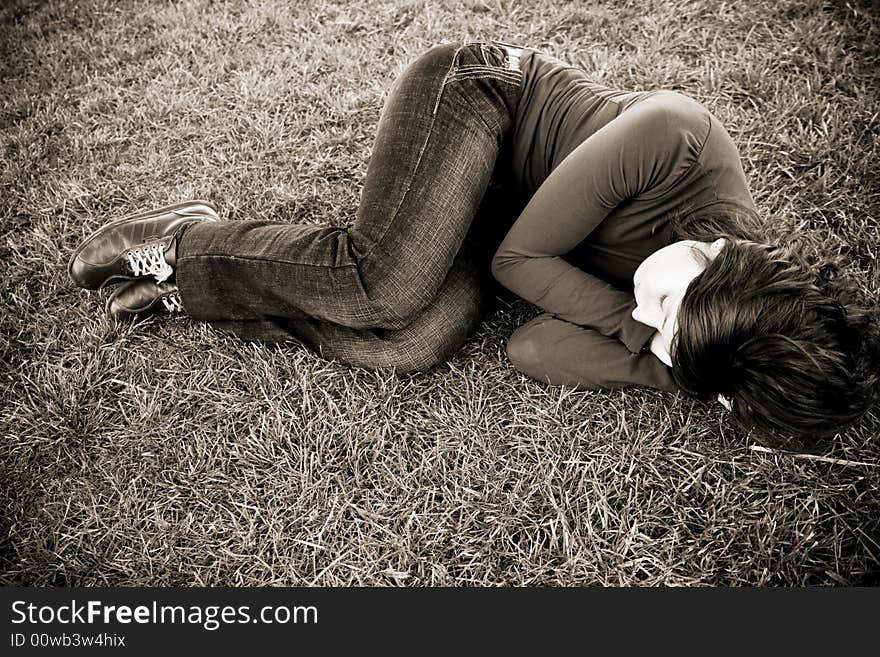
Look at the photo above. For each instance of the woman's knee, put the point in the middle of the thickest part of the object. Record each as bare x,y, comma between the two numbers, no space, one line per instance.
423,354
395,312
431,339
403,351
433,344
401,296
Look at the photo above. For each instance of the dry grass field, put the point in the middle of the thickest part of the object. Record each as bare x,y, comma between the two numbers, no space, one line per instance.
170,454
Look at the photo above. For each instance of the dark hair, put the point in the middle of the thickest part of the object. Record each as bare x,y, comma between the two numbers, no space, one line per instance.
757,327
720,220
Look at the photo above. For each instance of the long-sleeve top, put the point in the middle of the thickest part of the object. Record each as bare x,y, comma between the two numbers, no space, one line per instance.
604,170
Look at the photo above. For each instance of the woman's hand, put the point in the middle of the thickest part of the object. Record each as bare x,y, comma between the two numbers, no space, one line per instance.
658,348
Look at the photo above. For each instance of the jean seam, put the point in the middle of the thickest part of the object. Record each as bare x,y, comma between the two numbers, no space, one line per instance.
500,69
495,70
484,75
419,159
450,72
263,259
469,75
492,66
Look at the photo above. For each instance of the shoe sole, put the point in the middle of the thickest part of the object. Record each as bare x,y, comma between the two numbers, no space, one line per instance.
136,217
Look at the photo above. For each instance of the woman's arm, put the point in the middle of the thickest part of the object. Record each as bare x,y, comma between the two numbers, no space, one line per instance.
641,153
561,353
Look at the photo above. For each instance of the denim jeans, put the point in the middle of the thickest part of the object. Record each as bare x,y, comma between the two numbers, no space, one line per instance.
407,282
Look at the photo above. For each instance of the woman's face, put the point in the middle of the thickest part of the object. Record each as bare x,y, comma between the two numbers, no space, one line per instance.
660,283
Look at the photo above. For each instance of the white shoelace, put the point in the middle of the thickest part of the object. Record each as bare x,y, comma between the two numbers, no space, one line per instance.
172,302
149,260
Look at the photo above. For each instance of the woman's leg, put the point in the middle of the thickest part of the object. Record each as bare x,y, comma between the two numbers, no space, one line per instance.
432,337
434,155
436,332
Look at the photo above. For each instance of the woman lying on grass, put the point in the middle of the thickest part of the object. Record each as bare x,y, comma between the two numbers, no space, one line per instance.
635,238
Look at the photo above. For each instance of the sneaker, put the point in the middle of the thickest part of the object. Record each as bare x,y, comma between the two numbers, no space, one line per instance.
136,245
138,299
